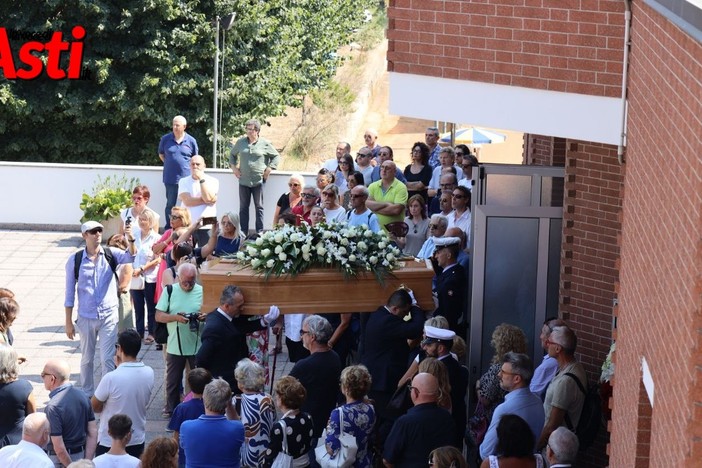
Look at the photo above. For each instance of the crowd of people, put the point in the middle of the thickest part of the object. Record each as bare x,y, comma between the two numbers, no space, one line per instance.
393,379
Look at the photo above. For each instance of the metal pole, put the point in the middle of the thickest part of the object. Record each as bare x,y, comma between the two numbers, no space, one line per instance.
216,97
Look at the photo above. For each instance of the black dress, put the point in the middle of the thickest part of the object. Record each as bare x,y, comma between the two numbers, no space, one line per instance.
299,437
424,177
13,409
284,203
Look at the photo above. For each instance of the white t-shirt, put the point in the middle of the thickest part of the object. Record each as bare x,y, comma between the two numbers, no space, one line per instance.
192,186
338,215
125,390
107,460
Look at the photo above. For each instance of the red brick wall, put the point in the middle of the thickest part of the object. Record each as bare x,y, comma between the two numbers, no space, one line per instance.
541,150
560,45
661,255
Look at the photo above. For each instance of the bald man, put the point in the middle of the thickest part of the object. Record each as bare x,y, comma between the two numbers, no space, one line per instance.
29,452
198,193
73,426
424,428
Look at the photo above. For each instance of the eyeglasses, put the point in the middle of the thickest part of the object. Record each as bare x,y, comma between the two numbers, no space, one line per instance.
44,374
116,345
361,155
383,153
344,163
94,231
308,195
137,198
293,185
250,129
304,332
356,196
549,343
226,223
328,194
416,150
459,196
176,217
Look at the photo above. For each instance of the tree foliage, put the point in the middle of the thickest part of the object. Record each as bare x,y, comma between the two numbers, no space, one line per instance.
149,60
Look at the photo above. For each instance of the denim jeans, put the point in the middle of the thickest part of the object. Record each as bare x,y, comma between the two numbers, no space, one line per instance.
245,194
171,199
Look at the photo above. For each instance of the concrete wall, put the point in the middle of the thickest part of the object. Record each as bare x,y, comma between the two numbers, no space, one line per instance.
48,195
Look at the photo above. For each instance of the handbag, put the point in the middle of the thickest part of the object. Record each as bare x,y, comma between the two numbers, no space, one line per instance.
477,426
345,456
400,402
283,459
137,282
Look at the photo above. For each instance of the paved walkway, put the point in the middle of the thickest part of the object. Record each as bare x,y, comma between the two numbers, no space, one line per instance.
32,265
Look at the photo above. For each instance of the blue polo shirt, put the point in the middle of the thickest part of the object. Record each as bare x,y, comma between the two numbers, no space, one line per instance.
177,156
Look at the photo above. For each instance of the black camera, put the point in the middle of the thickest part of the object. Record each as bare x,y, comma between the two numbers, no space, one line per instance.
128,222
193,321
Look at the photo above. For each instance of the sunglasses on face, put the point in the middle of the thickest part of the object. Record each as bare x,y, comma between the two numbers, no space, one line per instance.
293,185
308,195
94,231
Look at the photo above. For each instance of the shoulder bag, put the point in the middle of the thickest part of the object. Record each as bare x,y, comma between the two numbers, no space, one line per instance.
345,456
283,459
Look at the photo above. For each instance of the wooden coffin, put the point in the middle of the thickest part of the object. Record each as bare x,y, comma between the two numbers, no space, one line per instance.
315,291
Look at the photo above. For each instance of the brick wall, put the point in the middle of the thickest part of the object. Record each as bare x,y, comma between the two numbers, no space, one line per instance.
542,150
661,258
559,45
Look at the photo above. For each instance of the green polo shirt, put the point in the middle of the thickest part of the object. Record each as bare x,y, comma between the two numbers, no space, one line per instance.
181,301
396,193
252,159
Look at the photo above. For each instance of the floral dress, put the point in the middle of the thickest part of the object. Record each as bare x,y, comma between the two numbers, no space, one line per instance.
359,419
490,389
258,415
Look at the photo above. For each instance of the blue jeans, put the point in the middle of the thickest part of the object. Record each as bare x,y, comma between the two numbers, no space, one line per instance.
171,199
140,296
245,194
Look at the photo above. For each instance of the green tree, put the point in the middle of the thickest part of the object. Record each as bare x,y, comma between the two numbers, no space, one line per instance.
148,60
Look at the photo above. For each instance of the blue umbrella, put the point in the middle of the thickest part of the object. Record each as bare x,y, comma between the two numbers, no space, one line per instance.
473,136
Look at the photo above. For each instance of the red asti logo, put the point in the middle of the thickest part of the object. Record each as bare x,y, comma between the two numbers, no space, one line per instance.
31,53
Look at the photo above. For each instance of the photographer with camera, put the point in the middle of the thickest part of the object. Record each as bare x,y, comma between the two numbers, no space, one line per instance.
179,308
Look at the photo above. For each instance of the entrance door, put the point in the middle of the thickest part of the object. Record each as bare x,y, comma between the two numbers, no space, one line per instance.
516,245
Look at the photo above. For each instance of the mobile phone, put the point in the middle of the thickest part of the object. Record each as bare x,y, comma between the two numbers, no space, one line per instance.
128,222
209,220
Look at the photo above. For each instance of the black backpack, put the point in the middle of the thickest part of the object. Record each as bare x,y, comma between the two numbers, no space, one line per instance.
108,256
590,416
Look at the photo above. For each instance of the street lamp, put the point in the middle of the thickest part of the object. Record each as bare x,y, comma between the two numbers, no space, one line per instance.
226,23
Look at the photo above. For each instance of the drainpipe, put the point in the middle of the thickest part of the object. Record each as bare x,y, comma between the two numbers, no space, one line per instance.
625,70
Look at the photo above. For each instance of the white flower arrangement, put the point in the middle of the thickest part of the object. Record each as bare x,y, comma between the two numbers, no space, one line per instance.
291,250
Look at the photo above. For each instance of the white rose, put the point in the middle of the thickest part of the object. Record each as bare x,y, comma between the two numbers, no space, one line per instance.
259,241
306,257
282,256
326,235
344,241
240,255
321,251
278,249
251,251
342,251
373,260
256,263
306,249
382,245
265,252
368,233
270,263
362,246
352,258
278,238
390,257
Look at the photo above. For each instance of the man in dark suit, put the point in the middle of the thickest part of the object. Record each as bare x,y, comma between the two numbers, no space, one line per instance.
385,351
451,283
224,336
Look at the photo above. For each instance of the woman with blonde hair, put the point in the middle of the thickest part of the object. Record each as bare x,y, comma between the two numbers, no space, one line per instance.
437,368
145,275
180,218
288,200
447,457
358,415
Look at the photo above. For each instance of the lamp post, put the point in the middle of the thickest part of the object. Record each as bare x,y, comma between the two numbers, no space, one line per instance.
227,22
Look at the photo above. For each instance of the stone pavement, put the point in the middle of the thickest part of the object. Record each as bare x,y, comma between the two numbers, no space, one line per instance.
32,265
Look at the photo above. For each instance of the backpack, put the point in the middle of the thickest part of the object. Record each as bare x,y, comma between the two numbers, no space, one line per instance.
161,329
108,256
590,416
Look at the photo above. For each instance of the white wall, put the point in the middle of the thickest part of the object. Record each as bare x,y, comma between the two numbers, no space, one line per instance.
49,194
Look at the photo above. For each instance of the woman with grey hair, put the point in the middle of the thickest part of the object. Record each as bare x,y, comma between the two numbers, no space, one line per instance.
16,396
225,238
256,409
293,198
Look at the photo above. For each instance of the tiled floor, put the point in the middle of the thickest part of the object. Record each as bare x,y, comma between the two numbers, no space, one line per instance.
32,265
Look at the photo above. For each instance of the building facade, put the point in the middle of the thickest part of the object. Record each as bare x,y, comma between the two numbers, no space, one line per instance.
612,91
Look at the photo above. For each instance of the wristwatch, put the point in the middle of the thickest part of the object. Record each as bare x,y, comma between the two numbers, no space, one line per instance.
202,181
